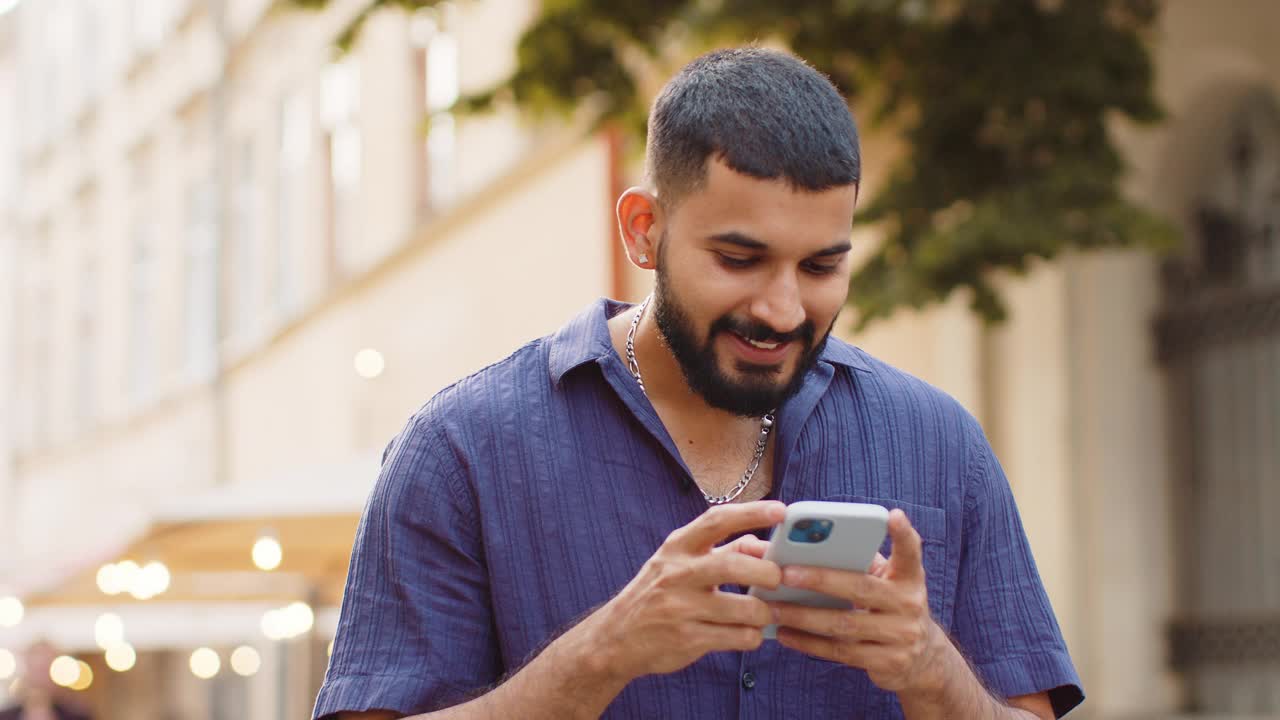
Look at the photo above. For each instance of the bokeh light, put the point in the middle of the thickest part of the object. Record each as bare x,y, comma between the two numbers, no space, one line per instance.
301,618
288,622
267,553
151,580
109,581
64,670
84,677
369,363
121,657
205,663
245,660
8,664
11,611
108,630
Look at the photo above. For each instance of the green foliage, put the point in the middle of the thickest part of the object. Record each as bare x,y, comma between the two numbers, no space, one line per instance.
1002,106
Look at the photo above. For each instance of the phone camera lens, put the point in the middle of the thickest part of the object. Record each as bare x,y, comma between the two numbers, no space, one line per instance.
804,524
817,536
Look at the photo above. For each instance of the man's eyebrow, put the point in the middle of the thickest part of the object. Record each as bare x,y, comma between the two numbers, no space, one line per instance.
749,243
839,248
742,241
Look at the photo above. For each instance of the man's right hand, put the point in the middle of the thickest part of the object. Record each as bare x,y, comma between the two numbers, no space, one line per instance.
673,612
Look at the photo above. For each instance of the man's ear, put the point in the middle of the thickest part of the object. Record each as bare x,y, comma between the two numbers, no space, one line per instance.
639,222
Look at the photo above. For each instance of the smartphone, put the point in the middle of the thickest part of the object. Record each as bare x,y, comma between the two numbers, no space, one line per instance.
837,535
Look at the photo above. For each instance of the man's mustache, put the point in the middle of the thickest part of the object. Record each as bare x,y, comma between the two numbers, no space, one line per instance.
759,332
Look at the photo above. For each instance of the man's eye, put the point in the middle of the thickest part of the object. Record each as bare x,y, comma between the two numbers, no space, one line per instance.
730,261
821,268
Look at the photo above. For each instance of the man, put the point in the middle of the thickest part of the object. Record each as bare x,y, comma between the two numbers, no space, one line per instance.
38,695
539,543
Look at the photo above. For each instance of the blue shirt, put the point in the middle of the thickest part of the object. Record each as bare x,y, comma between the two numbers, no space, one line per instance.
526,495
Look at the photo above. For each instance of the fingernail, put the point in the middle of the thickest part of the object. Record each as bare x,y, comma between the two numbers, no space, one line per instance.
777,614
794,576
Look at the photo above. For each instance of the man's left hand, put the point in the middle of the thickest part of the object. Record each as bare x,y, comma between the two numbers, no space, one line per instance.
889,633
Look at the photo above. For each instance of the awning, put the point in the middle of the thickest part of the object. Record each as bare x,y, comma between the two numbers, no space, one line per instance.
205,541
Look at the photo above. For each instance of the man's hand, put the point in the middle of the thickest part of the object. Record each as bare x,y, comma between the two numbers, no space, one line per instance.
890,633
673,612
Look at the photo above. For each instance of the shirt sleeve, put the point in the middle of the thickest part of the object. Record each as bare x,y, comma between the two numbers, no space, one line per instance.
1004,623
415,631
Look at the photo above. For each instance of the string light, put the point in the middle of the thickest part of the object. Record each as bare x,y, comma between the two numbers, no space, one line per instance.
267,552
108,630
245,661
11,611
205,663
121,657
64,670
369,363
84,677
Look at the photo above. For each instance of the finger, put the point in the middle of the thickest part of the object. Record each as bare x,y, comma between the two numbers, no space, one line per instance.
879,565
863,590
727,608
747,545
905,559
735,568
722,521
842,624
854,654
715,637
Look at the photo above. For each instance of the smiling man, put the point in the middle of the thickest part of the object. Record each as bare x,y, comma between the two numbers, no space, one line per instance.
565,534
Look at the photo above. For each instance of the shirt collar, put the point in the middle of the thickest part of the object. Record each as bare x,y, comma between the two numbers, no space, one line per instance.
839,352
583,339
586,339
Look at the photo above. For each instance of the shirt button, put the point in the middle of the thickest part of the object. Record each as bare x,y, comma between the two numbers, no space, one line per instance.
748,680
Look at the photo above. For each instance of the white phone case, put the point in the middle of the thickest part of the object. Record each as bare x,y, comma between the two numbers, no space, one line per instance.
856,532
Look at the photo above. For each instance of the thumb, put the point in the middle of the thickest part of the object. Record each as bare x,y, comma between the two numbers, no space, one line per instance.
905,558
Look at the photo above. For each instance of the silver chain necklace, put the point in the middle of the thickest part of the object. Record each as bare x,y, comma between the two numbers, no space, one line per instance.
766,422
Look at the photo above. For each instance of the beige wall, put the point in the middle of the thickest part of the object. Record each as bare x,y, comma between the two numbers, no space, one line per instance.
531,204
8,277
462,300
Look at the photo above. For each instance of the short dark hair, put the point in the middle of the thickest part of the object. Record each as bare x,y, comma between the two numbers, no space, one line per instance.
765,113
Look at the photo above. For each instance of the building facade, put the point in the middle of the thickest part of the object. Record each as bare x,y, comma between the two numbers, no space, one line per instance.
236,261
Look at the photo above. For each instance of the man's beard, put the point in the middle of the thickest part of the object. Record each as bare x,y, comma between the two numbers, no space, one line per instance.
761,389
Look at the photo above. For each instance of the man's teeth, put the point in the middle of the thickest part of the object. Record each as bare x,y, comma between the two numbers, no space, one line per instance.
762,345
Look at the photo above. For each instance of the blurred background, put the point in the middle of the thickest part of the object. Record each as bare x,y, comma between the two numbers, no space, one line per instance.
241,241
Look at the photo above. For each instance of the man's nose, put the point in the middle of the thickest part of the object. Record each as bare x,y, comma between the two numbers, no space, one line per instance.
779,305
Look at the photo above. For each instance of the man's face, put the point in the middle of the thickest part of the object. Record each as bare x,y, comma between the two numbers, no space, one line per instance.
751,275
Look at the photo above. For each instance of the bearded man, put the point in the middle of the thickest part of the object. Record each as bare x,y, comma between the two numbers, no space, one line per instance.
568,533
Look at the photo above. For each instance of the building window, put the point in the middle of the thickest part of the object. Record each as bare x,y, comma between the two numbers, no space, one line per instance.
340,110
90,53
33,328
436,57
294,154
149,23
142,282
244,218
88,302
201,279
89,356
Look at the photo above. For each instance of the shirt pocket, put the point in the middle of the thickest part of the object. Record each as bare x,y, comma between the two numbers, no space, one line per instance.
931,523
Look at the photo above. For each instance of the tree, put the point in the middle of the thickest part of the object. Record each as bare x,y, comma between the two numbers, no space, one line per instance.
1002,107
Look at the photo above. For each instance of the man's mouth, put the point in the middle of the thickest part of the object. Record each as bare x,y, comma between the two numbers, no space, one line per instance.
765,352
